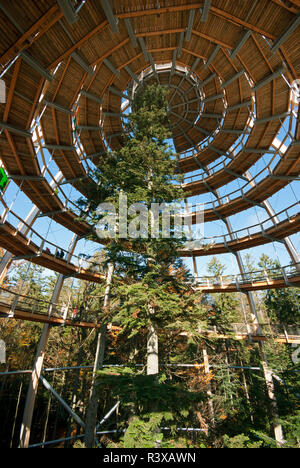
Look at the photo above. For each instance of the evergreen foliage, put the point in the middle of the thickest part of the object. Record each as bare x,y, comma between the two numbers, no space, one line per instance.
283,305
144,170
148,404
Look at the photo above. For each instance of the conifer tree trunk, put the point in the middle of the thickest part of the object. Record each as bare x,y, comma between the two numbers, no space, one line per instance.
152,339
271,393
91,417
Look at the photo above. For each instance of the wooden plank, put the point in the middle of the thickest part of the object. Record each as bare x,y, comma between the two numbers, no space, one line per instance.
39,318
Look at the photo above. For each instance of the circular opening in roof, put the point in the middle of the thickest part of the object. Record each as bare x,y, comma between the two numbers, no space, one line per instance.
185,98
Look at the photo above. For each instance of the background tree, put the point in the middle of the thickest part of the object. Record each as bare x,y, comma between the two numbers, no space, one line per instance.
224,306
283,305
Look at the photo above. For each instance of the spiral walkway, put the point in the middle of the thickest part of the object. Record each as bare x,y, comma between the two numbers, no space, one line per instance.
69,70
230,69
20,307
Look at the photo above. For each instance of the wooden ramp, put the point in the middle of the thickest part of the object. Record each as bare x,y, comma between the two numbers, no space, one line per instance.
238,332
275,233
21,314
258,285
23,247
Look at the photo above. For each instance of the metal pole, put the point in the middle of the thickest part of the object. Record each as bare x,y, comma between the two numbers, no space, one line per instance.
37,368
191,239
271,393
115,408
62,401
57,441
239,261
209,388
267,374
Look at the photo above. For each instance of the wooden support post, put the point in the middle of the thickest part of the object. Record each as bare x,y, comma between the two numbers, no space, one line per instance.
91,417
16,414
33,387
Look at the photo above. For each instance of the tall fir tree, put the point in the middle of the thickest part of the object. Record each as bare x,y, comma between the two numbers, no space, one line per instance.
143,172
150,293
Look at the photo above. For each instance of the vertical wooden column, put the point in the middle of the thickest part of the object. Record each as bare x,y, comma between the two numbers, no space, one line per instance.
39,359
33,387
267,373
91,417
271,393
